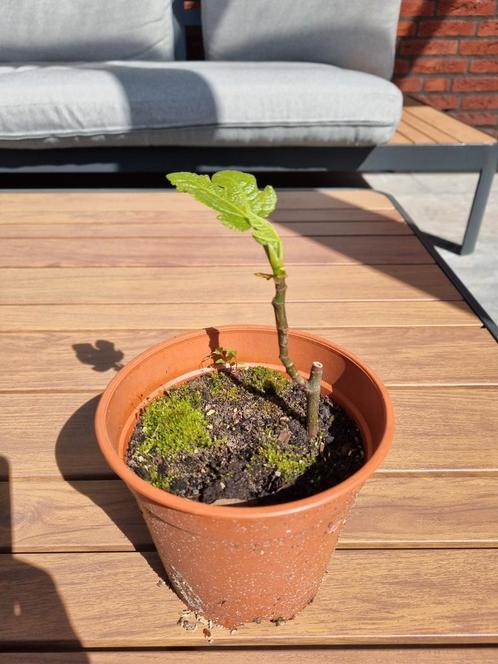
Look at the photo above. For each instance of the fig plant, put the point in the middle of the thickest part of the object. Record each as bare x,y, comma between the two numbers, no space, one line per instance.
242,206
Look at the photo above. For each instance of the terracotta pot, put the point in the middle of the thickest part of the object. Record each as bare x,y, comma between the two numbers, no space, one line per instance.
237,564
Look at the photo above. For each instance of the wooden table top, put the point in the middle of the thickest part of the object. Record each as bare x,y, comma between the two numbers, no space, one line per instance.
424,125
89,279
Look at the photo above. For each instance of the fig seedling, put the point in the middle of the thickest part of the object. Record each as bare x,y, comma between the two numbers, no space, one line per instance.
242,206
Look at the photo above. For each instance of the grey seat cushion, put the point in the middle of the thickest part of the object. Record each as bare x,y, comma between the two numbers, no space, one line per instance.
194,103
69,30
355,34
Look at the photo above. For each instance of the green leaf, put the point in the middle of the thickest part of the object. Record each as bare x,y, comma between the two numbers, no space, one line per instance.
243,188
201,188
238,185
240,205
265,202
266,234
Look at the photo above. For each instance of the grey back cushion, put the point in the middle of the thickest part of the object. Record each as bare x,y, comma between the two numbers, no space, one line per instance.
92,30
355,34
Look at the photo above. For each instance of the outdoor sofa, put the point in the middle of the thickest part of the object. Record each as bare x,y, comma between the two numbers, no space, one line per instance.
287,84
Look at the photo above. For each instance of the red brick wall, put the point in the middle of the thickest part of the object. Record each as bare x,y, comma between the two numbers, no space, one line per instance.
448,57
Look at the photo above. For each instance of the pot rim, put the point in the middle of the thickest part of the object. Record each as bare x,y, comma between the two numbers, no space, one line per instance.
167,499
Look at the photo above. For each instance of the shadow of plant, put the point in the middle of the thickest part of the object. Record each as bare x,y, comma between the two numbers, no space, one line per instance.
101,357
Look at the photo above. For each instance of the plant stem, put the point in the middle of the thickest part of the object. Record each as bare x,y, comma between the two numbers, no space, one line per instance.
314,385
278,303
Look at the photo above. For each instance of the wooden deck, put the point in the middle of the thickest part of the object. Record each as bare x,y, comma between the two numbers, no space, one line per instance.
89,280
424,125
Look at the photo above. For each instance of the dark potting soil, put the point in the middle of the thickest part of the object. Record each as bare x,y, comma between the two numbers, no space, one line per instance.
241,434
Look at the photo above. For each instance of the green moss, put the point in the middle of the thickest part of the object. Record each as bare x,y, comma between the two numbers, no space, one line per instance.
290,465
222,386
160,481
264,380
217,383
186,393
174,424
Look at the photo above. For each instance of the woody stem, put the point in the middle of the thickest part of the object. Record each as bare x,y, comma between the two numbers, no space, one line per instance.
312,386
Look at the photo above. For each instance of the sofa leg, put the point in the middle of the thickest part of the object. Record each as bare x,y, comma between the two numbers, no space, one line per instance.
479,203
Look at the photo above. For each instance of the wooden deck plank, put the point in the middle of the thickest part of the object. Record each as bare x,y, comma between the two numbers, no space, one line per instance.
212,229
82,218
333,655
423,356
437,125
420,511
414,135
61,441
141,252
427,129
460,132
350,214
85,216
400,139
178,284
313,316
424,511
371,596
401,356
152,200
434,427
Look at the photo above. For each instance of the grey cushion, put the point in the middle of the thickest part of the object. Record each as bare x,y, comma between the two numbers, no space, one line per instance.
354,34
194,103
68,30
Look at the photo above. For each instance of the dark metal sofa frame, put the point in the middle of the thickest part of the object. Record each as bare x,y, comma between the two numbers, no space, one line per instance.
480,158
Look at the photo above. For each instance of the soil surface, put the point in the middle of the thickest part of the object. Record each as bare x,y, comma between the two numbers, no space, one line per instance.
244,433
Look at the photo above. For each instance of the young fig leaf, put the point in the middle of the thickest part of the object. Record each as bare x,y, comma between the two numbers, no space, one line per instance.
231,213
240,205
266,202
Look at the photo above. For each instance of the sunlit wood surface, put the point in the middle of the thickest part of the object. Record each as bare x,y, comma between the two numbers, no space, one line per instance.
89,279
424,125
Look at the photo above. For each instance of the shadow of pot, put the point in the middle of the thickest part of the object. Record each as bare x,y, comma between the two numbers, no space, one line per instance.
235,564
